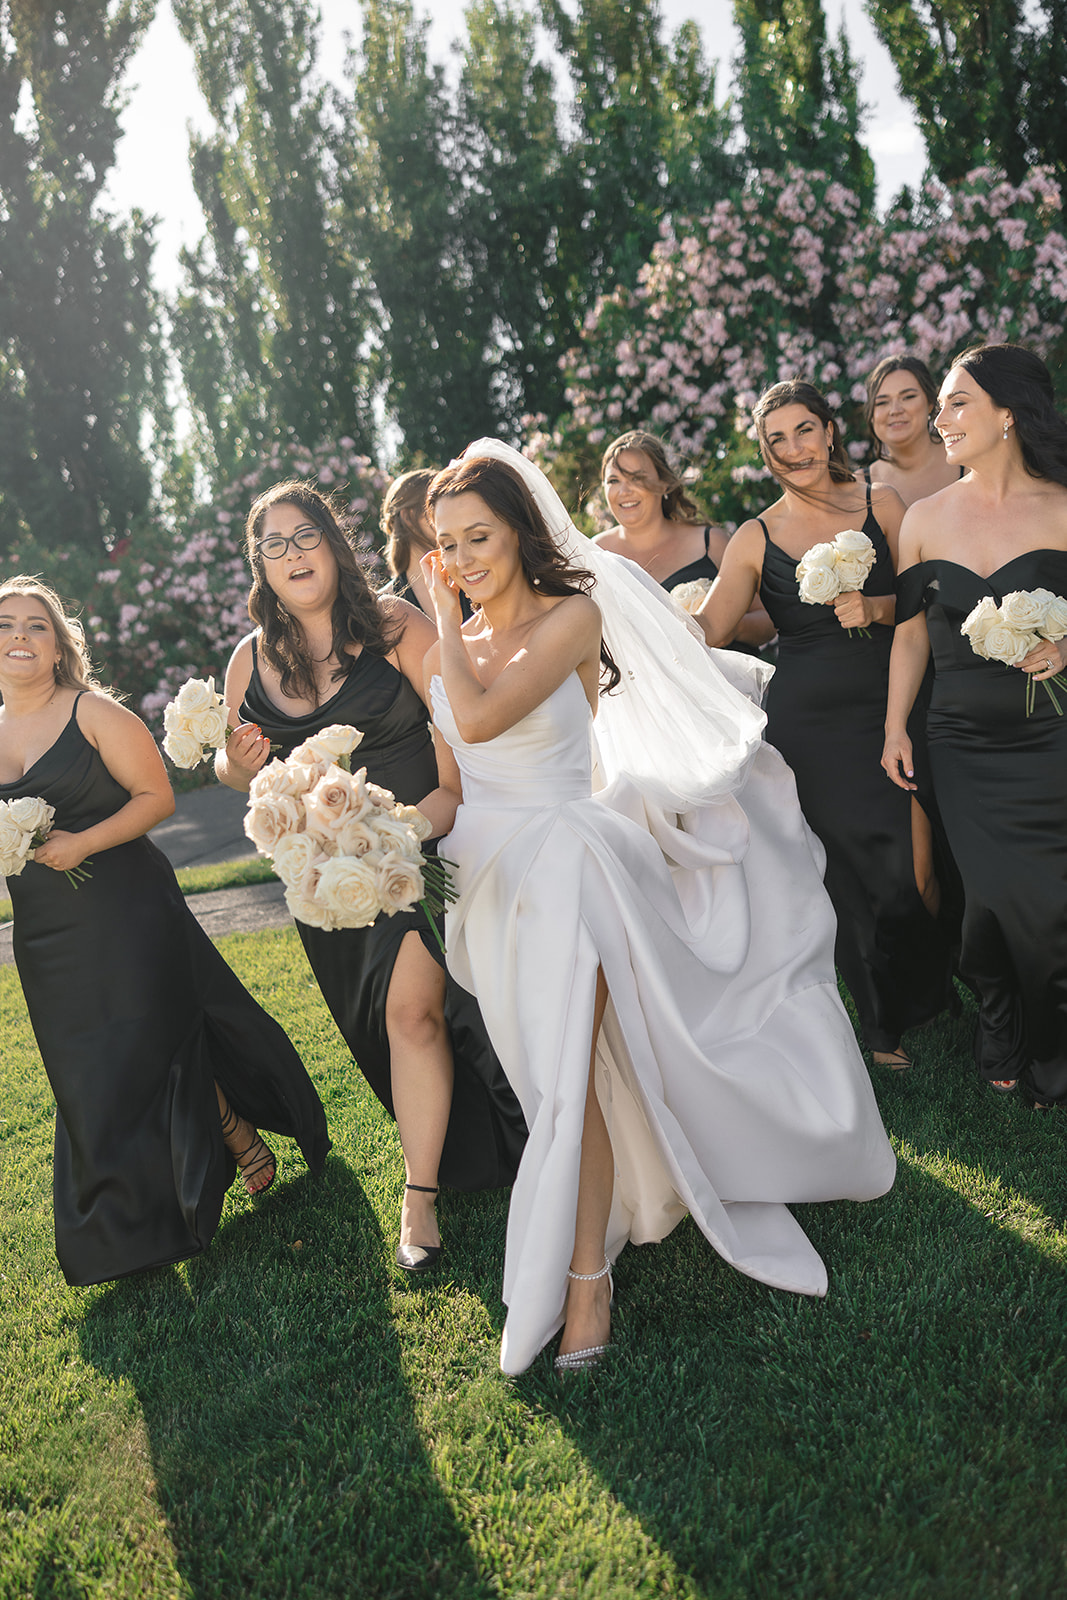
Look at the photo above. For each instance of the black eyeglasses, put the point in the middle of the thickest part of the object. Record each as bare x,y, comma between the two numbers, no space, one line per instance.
274,546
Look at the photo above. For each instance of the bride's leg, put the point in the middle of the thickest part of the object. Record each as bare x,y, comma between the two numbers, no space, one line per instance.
421,1063
588,1304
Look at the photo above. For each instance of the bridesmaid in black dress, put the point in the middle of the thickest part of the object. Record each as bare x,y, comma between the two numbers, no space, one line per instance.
327,650
998,774
159,1059
660,528
826,712
899,411
408,536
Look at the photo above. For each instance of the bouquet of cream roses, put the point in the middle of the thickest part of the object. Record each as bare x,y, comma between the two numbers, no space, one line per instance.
195,723
25,824
1009,632
343,847
840,567
690,596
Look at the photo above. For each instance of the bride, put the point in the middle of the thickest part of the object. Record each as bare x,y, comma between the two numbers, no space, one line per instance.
655,964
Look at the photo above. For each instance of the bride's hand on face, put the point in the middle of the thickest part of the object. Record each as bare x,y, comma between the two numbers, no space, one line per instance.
444,591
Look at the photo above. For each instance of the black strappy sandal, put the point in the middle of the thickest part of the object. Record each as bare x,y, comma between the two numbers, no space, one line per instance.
414,1258
255,1158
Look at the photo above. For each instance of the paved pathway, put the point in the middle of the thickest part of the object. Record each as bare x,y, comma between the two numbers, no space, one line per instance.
206,828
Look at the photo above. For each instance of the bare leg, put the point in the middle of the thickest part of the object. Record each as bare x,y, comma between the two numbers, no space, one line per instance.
421,1056
254,1158
588,1304
922,853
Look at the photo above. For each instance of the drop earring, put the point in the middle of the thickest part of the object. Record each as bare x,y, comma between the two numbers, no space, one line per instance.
1005,433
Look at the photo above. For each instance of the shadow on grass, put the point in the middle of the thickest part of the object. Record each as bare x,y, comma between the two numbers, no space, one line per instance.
281,1424
904,1437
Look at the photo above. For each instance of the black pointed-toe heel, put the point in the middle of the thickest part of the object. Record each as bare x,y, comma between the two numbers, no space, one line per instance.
415,1258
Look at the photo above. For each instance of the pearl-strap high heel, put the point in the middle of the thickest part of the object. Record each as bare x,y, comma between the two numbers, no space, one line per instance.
582,1360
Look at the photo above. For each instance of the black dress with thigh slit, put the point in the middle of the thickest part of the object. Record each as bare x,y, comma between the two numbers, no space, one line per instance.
137,1016
1001,783
826,709
353,966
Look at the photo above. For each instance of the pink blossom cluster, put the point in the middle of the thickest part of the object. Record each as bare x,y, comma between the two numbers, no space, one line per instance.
156,616
789,280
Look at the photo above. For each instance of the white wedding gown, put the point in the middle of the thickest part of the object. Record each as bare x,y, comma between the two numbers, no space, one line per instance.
727,1069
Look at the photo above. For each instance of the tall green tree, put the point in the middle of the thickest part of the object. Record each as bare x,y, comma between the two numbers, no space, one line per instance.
80,365
273,327
798,97
987,79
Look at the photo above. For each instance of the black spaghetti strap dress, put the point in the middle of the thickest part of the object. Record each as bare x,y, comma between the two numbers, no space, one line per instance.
1001,782
137,1015
826,715
353,966
704,567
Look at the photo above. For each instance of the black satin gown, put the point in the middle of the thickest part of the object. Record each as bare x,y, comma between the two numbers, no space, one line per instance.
826,709
354,966
137,1015
1001,782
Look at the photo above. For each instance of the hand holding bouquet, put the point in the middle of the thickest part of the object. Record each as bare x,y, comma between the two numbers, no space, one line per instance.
1009,632
841,567
25,825
343,847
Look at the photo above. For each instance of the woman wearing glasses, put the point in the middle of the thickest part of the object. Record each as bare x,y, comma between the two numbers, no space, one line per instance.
327,650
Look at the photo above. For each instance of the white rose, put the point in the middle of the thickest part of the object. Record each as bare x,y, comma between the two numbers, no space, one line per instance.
329,803
984,616
355,837
1008,644
348,887
316,763
269,819
384,799
32,814
14,844
184,748
210,727
852,574
281,778
293,855
173,718
854,542
198,694
1023,611
818,586
820,555
400,883
335,741
690,596
309,912
1055,623
421,826
394,834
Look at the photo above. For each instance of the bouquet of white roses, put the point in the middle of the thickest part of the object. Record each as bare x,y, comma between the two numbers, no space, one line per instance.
195,723
1008,632
24,824
690,596
840,567
343,847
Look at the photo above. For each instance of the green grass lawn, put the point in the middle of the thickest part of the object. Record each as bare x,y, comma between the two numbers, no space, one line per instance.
286,1417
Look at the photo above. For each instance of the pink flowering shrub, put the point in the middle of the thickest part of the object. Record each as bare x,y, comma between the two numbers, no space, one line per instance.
172,603
787,280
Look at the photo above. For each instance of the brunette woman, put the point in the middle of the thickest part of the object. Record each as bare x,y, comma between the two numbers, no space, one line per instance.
826,710
408,535
327,650
899,411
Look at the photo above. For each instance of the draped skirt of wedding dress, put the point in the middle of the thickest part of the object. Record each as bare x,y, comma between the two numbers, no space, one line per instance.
727,1070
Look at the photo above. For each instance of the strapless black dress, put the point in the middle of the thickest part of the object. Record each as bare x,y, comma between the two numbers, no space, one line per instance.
826,715
354,966
137,1015
1001,781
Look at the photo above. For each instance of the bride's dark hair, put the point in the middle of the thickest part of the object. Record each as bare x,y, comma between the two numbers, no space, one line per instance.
1019,381
543,565
356,618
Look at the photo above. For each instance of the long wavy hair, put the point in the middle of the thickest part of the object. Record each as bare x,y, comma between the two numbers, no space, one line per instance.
543,564
885,368
403,509
356,618
1019,381
795,392
74,670
676,503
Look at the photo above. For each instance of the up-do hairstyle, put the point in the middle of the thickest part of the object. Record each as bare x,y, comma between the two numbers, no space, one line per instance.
543,565
676,503
73,670
403,508
1019,381
357,617
795,392
885,368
